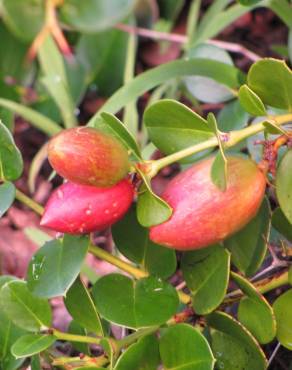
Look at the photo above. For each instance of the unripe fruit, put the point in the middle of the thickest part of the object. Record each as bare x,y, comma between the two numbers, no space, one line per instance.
204,215
80,209
87,156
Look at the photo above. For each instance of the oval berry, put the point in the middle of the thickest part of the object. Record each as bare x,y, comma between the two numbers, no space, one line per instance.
87,156
81,209
203,214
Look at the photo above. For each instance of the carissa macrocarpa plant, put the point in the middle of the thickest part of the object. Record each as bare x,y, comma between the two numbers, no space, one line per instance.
193,264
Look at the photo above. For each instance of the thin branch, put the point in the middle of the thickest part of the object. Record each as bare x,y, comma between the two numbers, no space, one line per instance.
274,353
182,39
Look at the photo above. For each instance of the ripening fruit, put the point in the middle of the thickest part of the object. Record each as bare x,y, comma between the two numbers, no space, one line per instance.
80,209
87,156
204,215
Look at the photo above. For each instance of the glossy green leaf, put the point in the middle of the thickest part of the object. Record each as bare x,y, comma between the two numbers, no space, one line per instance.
59,258
31,344
281,224
24,18
254,312
180,124
282,308
232,117
205,89
251,102
206,273
11,164
134,304
248,246
95,15
81,307
113,126
284,185
183,347
233,346
7,195
132,240
223,73
143,355
271,80
24,309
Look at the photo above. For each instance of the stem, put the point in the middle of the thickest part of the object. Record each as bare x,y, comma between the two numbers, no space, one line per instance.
126,341
75,338
29,202
234,138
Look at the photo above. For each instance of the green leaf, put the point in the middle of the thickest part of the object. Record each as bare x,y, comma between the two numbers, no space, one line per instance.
143,355
284,185
132,240
232,117
7,195
134,304
75,328
183,347
248,2
273,128
271,80
62,259
283,10
251,102
281,224
11,164
223,73
233,346
35,363
282,308
182,126
113,126
31,344
254,312
206,273
23,308
248,246
94,15
55,80
205,89
81,307
24,18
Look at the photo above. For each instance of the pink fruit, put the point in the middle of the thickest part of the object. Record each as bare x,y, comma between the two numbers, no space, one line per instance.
87,156
80,209
204,215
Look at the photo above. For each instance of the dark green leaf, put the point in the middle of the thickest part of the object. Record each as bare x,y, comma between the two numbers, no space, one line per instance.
133,241
282,308
251,102
206,273
31,344
24,18
75,328
183,347
248,246
59,258
35,363
11,164
143,355
23,308
180,124
135,304
284,185
248,2
254,312
95,15
281,224
271,80
7,195
233,346
81,307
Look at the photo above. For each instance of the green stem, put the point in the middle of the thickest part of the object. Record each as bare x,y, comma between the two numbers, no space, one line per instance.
129,339
234,138
75,338
29,202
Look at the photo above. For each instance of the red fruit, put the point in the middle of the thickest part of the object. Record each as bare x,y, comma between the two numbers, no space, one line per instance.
204,215
81,209
87,156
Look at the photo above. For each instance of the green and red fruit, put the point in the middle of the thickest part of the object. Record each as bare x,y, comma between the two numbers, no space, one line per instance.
203,214
81,209
88,156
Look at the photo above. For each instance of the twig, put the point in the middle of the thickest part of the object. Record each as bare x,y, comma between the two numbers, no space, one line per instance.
182,39
274,354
